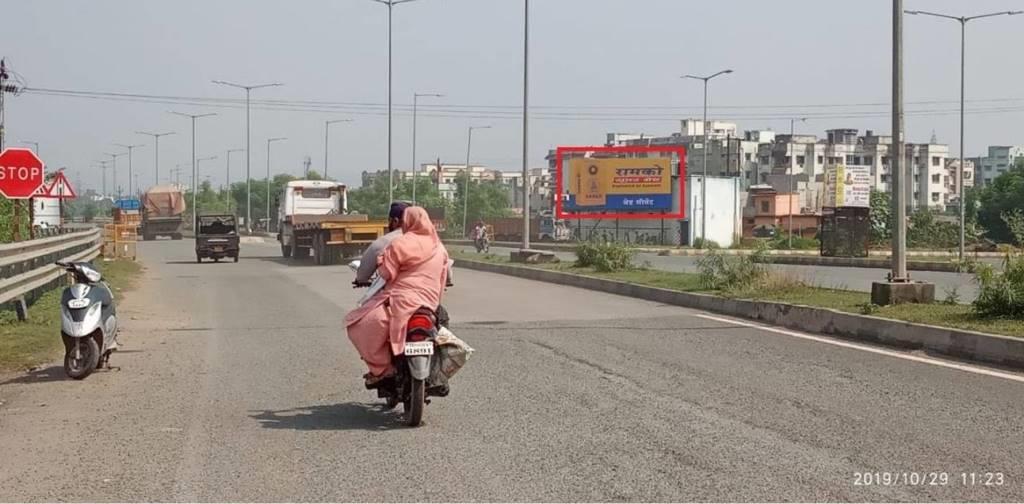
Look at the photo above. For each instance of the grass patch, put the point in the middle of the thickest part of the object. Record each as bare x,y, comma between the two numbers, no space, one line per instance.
784,289
37,340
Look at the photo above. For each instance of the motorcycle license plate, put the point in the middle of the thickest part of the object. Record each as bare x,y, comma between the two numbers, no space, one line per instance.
419,348
218,249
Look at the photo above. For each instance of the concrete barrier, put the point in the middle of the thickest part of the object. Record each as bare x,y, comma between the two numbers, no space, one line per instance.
976,346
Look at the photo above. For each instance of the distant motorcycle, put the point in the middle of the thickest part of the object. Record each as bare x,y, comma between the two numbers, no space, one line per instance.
483,244
88,321
413,368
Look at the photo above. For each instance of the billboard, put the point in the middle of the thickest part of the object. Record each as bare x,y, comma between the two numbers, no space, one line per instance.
848,186
623,185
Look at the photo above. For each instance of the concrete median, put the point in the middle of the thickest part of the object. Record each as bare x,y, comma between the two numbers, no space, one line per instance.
988,348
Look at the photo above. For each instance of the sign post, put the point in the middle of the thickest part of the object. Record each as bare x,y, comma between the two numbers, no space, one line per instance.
21,176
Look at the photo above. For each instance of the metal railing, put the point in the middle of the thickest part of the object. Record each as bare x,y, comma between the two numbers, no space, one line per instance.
27,267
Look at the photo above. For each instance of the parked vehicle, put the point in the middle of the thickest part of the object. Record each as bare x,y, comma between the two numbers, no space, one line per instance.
544,228
88,320
162,209
411,384
313,218
217,238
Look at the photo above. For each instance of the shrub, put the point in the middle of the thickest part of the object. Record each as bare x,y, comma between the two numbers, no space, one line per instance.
719,273
799,243
604,256
1001,293
701,243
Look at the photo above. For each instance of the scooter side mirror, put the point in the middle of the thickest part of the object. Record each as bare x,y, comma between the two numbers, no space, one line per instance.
354,265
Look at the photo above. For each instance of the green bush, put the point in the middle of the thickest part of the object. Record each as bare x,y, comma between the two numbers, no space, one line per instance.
799,243
701,243
1001,293
717,272
604,256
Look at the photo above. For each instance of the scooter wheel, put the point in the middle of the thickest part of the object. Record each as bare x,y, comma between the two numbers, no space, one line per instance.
414,405
89,356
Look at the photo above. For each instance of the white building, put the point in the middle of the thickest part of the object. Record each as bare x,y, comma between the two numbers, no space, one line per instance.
952,172
999,160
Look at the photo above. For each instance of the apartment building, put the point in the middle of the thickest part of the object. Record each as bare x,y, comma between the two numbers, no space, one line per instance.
999,160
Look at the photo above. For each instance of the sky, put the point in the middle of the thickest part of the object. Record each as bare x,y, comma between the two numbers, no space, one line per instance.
596,66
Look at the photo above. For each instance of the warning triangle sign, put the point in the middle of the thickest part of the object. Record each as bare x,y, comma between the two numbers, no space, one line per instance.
61,188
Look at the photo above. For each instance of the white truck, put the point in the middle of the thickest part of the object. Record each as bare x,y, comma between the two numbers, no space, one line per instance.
313,218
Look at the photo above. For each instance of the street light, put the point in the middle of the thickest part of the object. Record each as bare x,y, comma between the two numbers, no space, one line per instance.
34,144
156,153
227,179
103,168
526,104
415,172
391,4
248,152
195,213
465,191
113,161
963,40
269,141
704,171
327,129
792,180
130,149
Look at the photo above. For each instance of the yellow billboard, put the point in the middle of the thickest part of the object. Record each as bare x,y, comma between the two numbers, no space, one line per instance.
591,181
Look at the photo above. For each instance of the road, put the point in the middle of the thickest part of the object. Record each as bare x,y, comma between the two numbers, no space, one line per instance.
858,279
237,384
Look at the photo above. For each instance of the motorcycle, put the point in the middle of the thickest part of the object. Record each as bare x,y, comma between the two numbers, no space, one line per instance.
483,244
88,321
418,363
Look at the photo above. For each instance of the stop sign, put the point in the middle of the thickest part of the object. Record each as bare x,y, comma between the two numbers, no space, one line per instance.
21,173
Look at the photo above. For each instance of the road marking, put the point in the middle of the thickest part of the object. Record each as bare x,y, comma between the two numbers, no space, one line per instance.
899,355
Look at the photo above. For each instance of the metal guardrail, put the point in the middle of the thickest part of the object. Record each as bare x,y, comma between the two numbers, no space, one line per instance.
27,266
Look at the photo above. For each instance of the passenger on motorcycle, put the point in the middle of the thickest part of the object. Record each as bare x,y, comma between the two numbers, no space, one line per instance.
415,268
368,263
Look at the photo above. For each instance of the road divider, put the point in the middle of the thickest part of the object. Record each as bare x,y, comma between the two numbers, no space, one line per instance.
988,348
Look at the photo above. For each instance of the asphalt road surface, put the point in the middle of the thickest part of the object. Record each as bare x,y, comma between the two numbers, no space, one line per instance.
238,384
834,277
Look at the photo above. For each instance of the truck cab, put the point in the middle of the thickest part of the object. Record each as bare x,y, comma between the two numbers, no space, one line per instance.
313,218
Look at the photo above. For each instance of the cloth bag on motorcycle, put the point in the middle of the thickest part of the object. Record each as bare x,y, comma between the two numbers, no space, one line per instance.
453,352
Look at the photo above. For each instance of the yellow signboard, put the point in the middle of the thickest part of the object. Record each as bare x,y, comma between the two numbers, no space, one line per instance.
592,180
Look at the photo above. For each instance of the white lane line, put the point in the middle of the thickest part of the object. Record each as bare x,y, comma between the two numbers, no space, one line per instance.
864,348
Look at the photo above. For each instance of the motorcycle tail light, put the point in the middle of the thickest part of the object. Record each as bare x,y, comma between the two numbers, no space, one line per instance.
419,328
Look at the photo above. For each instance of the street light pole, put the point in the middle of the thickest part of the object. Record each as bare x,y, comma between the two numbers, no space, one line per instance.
269,141
391,182
526,138
113,165
465,191
963,44
33,144
327,129
704,171
792,180
195,213
156,149
130,148
899,207
227,179
248,151
415,171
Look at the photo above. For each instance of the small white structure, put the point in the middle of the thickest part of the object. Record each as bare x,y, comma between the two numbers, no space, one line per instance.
724,209
46,212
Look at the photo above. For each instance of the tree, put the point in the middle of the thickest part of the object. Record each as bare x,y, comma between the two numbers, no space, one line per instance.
1001,197
881,217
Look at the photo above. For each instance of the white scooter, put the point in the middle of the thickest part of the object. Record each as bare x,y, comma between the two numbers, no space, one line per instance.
88,321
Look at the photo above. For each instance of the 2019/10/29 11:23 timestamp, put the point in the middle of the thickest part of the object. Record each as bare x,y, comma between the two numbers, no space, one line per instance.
929,478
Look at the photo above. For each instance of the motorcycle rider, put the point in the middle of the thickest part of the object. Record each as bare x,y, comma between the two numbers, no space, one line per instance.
368,263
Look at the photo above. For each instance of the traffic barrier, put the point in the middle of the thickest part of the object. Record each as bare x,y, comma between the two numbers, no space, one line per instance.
27,269
988,348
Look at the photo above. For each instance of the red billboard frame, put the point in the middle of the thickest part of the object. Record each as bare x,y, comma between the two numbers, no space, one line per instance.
560,189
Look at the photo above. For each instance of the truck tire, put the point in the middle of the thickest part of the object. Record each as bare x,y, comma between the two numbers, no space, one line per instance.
286,251
320,250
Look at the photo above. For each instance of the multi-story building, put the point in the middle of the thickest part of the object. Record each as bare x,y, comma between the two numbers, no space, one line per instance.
999,160
953,171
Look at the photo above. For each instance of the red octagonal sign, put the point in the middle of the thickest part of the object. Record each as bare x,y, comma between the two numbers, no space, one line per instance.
21,173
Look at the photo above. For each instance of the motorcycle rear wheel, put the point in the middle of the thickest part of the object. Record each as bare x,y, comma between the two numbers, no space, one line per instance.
414,405
85,364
